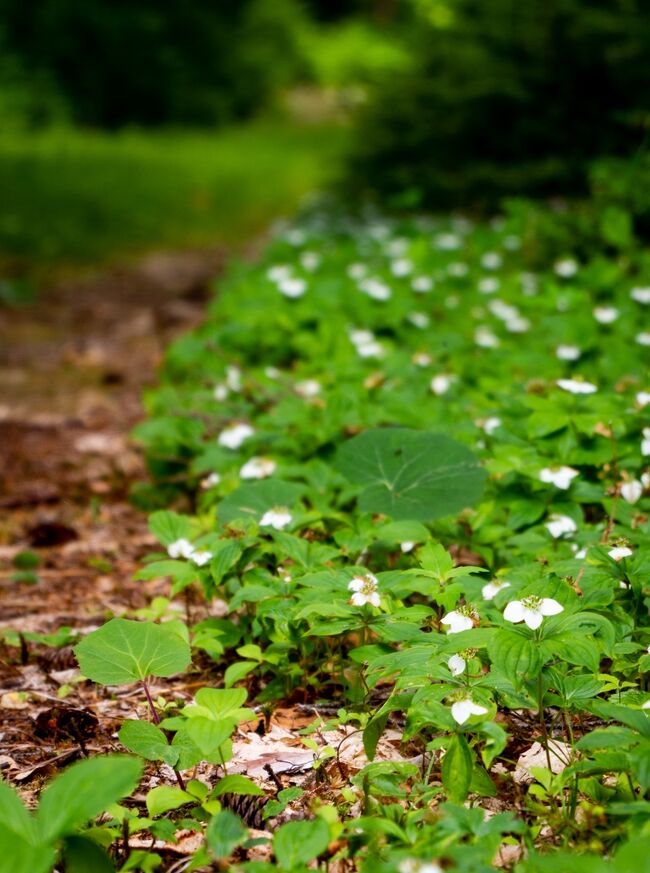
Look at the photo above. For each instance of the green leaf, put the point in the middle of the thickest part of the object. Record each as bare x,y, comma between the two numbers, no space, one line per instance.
225,832
236,784
19,849
83,791
165,797
515,655
457,766
83,855
255,498
147,740
372,732
167,527
208,734
238,671
411,474
124,651
297,843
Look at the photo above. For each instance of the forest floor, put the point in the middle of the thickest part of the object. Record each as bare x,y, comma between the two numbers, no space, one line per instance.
72,370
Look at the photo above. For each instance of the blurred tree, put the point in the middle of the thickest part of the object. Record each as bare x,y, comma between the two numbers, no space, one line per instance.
156,61
508,97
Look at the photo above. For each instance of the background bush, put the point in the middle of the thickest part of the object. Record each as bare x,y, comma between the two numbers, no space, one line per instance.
507,97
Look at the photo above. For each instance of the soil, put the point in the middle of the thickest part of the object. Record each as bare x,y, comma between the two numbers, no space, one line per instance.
73,367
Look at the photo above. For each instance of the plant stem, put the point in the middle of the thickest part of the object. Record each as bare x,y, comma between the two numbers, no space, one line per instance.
156,719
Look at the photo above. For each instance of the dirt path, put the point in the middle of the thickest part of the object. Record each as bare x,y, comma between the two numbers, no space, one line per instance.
72,370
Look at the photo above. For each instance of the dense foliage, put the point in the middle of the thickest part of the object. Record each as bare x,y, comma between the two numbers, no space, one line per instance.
507,97
414,472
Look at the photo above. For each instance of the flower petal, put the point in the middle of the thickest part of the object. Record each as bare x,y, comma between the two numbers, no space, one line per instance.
550,607
514,611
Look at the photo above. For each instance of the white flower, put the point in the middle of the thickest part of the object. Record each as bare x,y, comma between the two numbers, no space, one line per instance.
576,386
407,546
643,338
278,517
646,705
200,557
560,525
395,248
364,590
491,261
375,289
511,242
645,480
272,372
620,552
489,285
310,261
278,273
211,480
464,709
258,468
370,350
360,337
292,288
605,314
233,436
458,269
567,353
447,242
531,610
529,284
490,591
641,295
421,359
645,442
181,548
559,476
220,392
357,271
457,665
308,388
490,424
419,319
233,378
565,268
441,383
413,865
518,324
401,267
632,490
422,284
458,621
643,398
485,338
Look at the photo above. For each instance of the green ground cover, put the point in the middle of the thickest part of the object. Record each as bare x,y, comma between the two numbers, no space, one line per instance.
409,458
72,197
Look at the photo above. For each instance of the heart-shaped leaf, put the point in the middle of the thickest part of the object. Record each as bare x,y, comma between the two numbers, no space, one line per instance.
124,651
254,499
411,474
148,741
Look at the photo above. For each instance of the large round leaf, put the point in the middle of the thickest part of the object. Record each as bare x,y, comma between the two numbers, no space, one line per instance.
254,499
410,474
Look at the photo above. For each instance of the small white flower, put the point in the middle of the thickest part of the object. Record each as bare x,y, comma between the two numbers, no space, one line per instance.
491,261
458,269
233,378
220,392
560,525
490,424
518,324
529,284
489,285
310,261
645,442
370,350
181,548
567,353
258,468
272,372
643,338
531,610
375,289
490,591
565,268
561,477
211,480
441,383
278,517
200,557
458,621
457,665
397,247
360,337
407,546
645,480
464,709
643,398
422,284
279,273
414,865
422,359
576,386
620,552
632,490
419,319
447,242
511,242
401,267
580,553
292,288
364,590
646,705
233,436
308,388
485,338
356,271
605,314
641,295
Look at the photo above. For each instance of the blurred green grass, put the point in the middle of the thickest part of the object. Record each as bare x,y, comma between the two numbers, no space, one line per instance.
71,197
